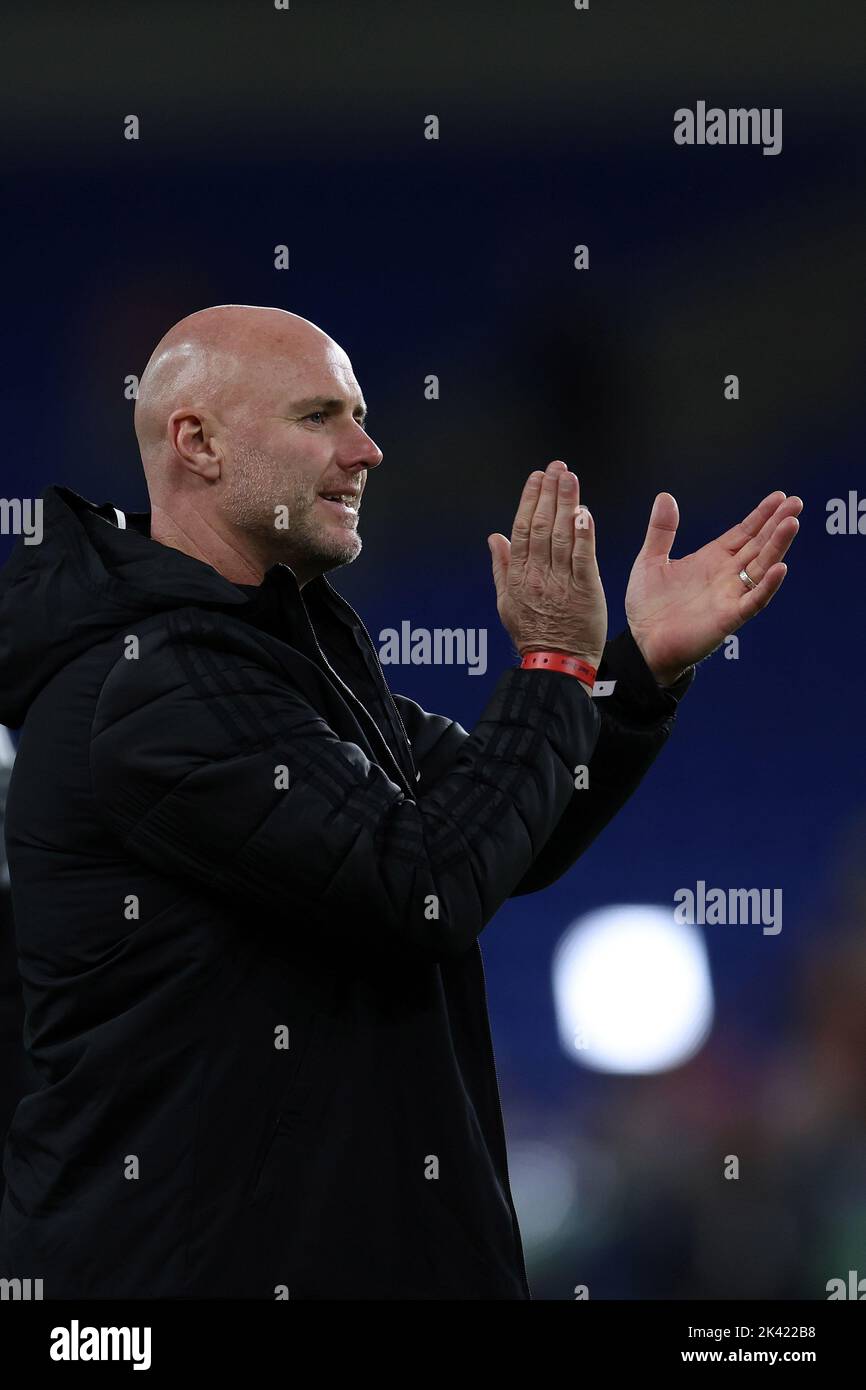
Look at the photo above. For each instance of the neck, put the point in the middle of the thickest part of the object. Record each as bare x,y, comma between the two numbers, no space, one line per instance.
191,533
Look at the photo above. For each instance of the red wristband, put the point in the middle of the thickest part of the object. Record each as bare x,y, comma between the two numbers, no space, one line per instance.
560,661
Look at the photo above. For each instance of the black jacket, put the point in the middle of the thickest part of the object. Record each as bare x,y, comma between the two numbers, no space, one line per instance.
248,885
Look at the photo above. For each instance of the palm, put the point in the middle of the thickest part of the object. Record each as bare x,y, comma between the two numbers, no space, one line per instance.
680,610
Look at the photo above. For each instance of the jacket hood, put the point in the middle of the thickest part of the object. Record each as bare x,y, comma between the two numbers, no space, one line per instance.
94,570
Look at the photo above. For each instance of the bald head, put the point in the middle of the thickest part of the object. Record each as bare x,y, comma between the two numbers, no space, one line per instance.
220,360
232,443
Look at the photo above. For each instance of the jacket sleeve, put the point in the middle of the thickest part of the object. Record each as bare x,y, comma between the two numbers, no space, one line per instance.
636,722
208,764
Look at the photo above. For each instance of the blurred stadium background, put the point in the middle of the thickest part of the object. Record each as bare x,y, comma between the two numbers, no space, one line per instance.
455,257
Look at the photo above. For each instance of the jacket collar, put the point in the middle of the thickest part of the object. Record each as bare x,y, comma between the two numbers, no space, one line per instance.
300,616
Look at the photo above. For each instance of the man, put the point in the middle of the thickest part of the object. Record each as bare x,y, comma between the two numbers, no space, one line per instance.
16,1074
248,882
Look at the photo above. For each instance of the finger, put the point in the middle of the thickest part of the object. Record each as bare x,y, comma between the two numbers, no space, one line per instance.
562,536
499,552
542,522
789,507
748,528
773,550
755,599
583,556
523,517
662,528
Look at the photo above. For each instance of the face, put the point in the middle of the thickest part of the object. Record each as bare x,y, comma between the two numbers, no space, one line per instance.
298,465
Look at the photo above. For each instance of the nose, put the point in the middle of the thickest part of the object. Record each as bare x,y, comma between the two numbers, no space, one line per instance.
361,452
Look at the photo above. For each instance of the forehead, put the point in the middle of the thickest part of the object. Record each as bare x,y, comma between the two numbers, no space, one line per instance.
318,369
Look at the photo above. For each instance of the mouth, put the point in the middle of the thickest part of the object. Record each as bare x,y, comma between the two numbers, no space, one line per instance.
344,503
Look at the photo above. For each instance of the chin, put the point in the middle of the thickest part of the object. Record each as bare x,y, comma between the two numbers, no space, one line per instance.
334,556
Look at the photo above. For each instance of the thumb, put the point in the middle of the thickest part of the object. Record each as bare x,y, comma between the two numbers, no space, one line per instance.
663,523
500,552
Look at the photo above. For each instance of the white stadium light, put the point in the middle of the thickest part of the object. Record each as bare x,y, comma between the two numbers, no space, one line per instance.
632,990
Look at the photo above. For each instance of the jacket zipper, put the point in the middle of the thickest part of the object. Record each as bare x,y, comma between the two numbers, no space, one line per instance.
352,699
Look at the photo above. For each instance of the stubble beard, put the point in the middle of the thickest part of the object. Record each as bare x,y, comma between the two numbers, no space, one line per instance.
279,514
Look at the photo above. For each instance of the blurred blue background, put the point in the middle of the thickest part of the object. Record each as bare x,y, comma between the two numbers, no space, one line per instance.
455,257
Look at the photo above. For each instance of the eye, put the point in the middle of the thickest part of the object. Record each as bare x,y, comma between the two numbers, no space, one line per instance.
314,413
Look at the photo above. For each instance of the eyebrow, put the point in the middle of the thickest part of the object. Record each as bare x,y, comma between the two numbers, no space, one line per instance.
326,403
